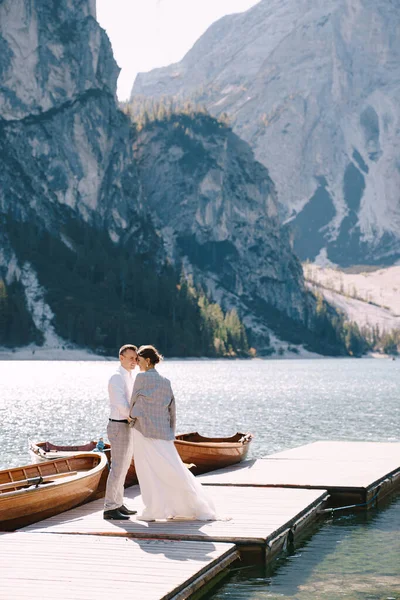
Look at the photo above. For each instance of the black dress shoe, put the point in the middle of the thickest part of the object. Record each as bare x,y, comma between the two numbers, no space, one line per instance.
125,511
114,515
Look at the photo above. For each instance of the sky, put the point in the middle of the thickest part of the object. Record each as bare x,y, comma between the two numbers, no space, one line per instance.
146,34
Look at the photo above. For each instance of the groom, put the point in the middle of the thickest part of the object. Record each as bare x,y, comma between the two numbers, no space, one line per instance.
119,433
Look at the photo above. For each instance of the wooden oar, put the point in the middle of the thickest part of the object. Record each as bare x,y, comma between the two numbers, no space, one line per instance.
35,480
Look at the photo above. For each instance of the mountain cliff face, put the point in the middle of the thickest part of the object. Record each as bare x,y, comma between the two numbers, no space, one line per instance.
215,207
63,141
313,86
97,218
68,170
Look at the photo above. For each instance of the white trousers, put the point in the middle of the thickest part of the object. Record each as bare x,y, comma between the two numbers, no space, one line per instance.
121,440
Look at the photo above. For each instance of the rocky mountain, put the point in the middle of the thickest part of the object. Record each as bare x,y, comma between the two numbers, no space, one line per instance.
313,86
215,208
98,218
65,151
64,143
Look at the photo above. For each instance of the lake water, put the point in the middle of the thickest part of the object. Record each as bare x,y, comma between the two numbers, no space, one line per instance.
351,557
285,403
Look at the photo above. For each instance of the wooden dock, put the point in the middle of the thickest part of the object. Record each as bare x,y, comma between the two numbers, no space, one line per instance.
84,567
349,471
255,517
261,504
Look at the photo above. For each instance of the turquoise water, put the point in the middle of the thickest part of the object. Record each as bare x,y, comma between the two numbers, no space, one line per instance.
285,404
353,557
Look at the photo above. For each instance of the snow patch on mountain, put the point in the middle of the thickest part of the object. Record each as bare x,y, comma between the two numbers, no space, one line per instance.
42,315
368,298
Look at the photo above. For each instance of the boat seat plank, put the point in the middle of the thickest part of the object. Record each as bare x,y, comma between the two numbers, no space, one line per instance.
146,569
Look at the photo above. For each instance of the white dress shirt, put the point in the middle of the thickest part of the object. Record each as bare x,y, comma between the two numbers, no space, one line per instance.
120,388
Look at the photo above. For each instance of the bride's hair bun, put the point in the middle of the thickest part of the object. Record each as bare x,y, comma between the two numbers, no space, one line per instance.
151,353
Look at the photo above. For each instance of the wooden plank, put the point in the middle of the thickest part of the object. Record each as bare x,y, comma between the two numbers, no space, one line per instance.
322,465
80,567
342,451
35,480
247,516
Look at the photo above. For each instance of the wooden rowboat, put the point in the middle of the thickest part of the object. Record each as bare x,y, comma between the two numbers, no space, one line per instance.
201,454
34,492
208,454
41,451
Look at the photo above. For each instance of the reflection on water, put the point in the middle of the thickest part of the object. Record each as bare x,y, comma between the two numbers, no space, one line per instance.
285,404
356,557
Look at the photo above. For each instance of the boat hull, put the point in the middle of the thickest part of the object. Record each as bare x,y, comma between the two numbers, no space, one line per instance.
41,451
24,506
209,454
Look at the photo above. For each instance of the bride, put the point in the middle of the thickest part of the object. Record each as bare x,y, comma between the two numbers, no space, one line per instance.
169,490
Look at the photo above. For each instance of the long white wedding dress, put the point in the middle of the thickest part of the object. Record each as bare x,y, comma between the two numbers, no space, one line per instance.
169,490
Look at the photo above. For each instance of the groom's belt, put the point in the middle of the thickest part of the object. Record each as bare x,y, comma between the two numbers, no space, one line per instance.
119,420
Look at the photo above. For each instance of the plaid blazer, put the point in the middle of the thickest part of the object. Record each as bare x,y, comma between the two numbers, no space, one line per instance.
153,406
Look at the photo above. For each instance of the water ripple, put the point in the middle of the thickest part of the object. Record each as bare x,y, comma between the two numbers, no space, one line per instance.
284,403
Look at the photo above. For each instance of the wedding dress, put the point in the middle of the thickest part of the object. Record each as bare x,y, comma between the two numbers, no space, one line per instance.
169,490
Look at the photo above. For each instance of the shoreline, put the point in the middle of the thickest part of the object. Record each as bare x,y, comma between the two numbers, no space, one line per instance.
33,352
39,353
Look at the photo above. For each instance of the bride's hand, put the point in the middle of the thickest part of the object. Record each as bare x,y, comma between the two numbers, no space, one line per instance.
131,422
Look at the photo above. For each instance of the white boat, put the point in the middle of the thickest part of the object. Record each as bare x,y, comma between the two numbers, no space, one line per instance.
41,451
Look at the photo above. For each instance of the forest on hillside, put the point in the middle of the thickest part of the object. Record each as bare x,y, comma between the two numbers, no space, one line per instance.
103,294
